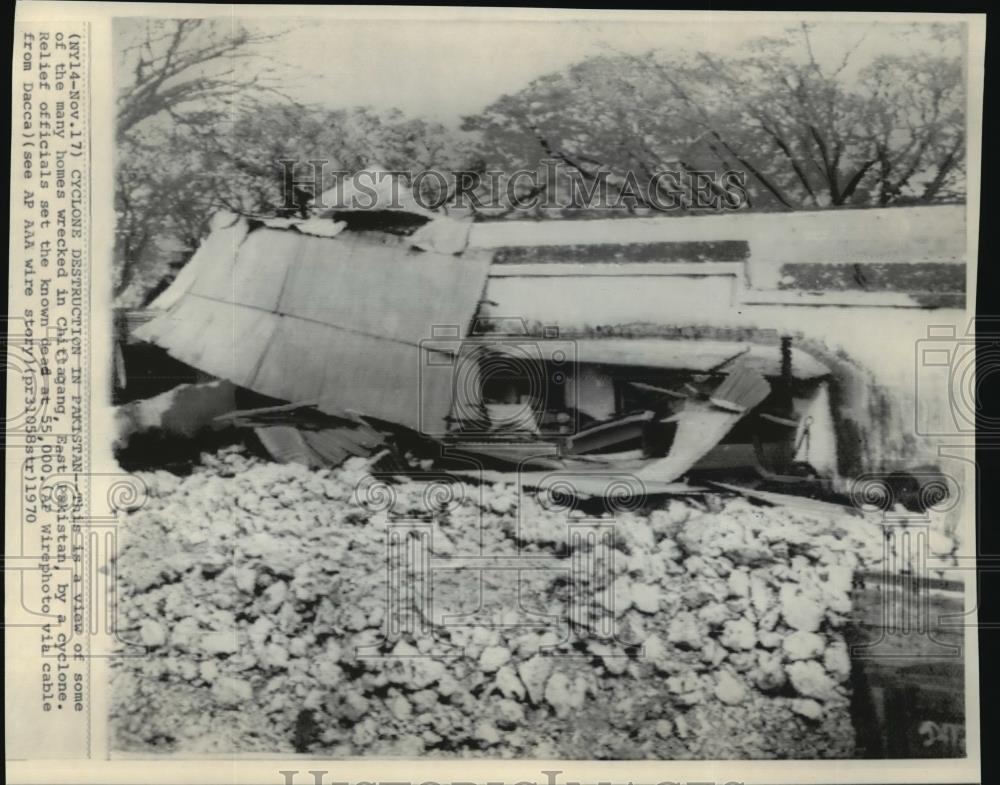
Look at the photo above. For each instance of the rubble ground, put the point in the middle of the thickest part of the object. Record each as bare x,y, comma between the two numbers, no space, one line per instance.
248,590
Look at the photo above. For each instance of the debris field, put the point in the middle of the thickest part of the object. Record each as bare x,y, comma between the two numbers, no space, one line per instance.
253,611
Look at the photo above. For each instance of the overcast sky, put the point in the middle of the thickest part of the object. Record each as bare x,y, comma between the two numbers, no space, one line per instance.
448,68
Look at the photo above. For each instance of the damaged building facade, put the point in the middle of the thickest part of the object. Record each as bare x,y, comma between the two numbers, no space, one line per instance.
743,370
724,345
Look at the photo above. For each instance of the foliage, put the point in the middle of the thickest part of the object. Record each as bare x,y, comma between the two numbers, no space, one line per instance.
204,122
809,134
207,138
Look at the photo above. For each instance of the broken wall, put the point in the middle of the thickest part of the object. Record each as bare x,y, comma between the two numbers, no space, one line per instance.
860,289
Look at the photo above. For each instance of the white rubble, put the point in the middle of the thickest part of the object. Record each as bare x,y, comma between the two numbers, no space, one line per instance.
259,590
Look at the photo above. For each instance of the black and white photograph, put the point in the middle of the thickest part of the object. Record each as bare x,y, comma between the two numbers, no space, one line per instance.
518,386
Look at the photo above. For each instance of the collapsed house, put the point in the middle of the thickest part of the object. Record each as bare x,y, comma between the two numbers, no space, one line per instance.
365,328
594,351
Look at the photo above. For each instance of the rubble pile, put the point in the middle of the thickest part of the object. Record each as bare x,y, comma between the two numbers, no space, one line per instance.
253,606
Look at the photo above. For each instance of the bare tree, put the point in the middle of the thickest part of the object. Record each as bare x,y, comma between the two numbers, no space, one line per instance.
810,132
180,82
189,68
916,120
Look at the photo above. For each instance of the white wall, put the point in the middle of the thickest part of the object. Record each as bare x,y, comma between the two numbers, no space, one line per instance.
883,341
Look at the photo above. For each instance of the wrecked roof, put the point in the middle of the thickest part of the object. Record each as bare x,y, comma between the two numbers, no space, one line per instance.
373,189
903,234
917,253
304,318
299,308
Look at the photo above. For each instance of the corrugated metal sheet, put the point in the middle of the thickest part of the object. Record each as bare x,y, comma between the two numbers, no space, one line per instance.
335,320
220,244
